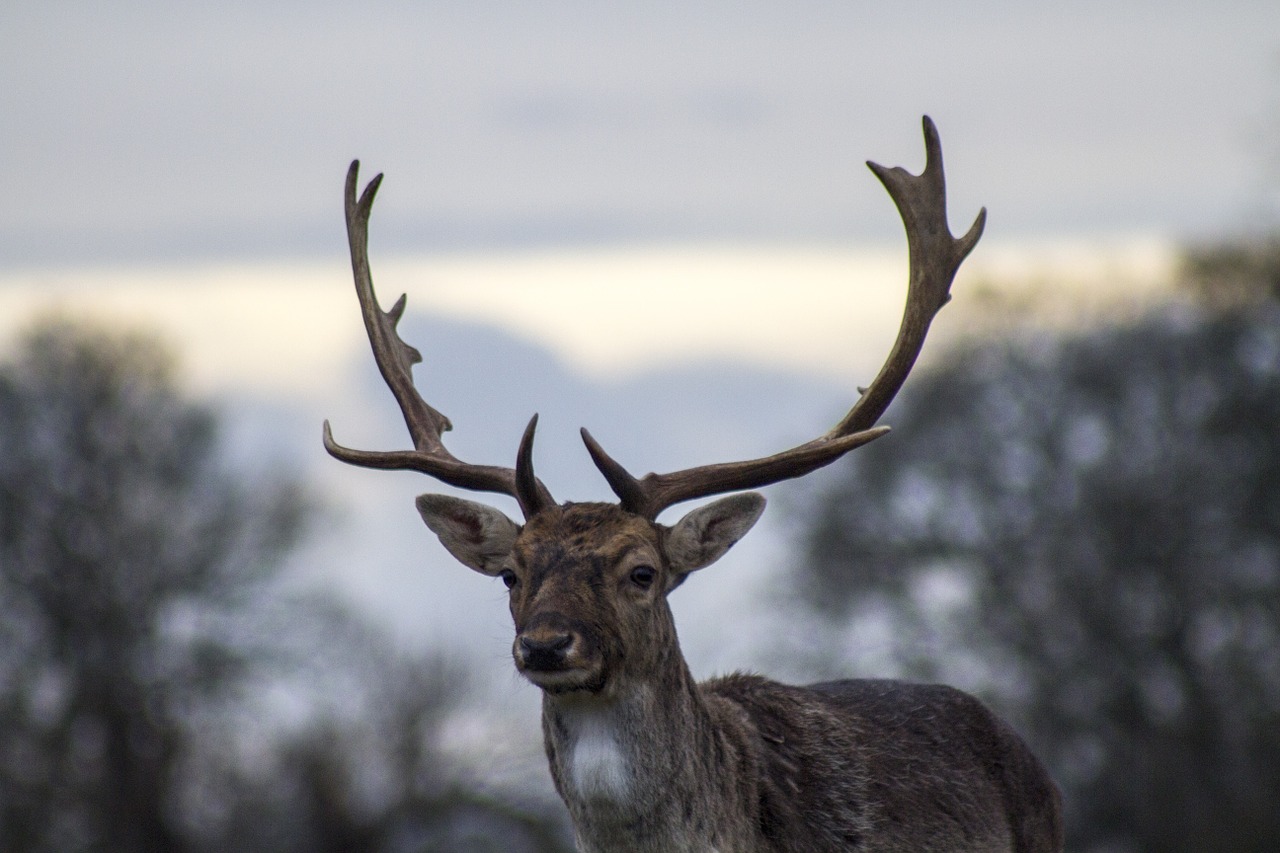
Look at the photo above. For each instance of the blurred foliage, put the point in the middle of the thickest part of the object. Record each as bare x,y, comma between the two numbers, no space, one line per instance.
1086,531
144,634
1233,273
369,773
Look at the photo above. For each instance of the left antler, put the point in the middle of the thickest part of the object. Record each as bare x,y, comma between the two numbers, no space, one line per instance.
395,360
935,256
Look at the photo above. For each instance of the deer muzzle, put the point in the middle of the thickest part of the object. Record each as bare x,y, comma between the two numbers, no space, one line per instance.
557,658
545,652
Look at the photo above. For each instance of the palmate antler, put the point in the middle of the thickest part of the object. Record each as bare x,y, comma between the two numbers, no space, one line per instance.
935,256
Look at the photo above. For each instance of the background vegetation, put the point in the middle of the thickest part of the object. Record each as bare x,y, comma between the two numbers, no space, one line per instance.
160,687
1084,529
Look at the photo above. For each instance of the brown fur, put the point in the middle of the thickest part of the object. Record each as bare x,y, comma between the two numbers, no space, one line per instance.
648,760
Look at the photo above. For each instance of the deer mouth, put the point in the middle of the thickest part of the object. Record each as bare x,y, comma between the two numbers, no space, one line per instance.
560,681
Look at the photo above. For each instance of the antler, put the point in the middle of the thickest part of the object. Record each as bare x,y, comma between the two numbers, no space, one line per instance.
935,255
395,361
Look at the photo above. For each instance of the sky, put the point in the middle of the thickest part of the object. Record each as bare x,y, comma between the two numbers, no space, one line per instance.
628,186
142,131
624,187
695,167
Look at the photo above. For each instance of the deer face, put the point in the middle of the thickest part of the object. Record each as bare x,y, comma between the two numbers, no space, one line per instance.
589,582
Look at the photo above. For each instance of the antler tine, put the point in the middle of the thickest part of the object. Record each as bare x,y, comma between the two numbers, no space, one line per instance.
530,492
935,256
395,360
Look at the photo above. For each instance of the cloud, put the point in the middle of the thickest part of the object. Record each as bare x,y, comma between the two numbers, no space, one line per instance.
288,327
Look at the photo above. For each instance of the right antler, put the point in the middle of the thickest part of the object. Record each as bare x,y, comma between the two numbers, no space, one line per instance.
935,256
395,361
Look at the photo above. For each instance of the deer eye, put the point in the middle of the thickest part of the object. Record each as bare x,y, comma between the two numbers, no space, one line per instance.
508,577
642,576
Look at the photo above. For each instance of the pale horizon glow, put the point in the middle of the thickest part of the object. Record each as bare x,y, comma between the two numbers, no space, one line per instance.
286,327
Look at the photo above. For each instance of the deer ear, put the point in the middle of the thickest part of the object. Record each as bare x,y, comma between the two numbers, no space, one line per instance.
702,536
480,536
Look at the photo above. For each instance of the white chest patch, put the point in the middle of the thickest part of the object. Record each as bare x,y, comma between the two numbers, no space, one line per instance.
598,765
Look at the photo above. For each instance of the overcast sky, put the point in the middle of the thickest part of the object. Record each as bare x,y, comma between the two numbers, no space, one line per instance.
195,153
137,131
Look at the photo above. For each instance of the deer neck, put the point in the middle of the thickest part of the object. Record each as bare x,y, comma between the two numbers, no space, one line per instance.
648,767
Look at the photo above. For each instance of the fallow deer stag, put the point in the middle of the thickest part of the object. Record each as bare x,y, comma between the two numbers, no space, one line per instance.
647,759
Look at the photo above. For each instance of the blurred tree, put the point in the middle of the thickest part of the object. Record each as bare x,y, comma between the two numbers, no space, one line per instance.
123,545
1087,532
144,639
1233,273
369,772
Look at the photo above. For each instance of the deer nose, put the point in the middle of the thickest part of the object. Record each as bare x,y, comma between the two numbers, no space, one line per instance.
544,651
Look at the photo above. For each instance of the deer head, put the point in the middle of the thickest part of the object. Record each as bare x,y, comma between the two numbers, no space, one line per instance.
589,581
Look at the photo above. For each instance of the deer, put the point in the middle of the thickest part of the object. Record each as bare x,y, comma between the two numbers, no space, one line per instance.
646,758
